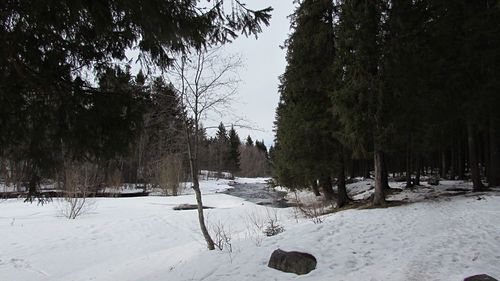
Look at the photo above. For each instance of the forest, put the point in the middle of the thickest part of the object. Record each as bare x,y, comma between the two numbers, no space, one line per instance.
150,150
400,88
71,105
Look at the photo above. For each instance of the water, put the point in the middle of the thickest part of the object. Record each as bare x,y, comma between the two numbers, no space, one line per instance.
259,193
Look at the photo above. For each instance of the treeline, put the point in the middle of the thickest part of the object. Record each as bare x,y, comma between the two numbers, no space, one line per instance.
132,132
225,152
405,87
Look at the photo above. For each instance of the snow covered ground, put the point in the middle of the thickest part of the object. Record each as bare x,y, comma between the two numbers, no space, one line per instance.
143,238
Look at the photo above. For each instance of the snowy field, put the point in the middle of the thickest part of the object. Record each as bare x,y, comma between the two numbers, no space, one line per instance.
435,238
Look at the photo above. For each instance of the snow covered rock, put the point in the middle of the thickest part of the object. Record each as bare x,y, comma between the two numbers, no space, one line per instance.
481,277
293,262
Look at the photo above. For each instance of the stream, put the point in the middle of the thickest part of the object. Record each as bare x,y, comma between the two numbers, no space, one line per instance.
260,194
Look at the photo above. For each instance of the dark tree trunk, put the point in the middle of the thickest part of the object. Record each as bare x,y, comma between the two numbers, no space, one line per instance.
385,173
379,196
315,188
494,171
419,168
33,187
461,160
325,183
486,154
353,169
453,164
34,181
342,198
444,165
366,168
408,166
473,160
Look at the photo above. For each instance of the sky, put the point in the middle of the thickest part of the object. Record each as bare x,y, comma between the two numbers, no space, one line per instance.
264,62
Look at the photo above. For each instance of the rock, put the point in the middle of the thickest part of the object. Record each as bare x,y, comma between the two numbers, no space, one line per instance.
480,277
292,262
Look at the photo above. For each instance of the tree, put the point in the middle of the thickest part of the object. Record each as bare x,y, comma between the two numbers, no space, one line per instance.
306,149
206,81
159,152
221,142
51,48
405,71
261,146
360,105
249,141
234,151
253,162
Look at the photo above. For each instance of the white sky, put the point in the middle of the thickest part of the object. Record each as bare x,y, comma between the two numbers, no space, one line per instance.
264,61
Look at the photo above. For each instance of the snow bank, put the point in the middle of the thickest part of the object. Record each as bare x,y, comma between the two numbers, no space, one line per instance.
144,239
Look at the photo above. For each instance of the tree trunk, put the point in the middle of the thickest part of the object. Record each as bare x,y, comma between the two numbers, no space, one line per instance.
193,163
325,183
201,218
453,164
494,171
34,181
379,196
342,198
473,161
461,161
419,168
408,166
353,169
486,159
444,165
385,173
366,168
315,188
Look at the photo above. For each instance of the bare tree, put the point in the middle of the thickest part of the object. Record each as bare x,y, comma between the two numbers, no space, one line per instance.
206,80
169,173
253,162
77,181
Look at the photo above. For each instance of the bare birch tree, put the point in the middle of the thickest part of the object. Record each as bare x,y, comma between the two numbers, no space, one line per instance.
207,81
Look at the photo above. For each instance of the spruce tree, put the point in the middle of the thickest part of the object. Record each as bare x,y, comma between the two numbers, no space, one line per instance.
306,150
249,141
222,148
359,103
234,151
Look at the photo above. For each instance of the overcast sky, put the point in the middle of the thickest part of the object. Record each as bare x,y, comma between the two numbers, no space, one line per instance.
264,61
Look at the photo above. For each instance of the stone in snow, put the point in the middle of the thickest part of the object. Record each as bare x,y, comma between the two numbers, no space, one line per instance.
292,262
480,277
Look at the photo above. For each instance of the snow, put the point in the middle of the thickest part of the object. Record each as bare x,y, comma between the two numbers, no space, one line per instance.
144,239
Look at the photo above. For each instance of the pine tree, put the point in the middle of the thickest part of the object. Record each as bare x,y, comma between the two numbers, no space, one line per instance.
234,151
359,103
222,148
306,150
249,141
